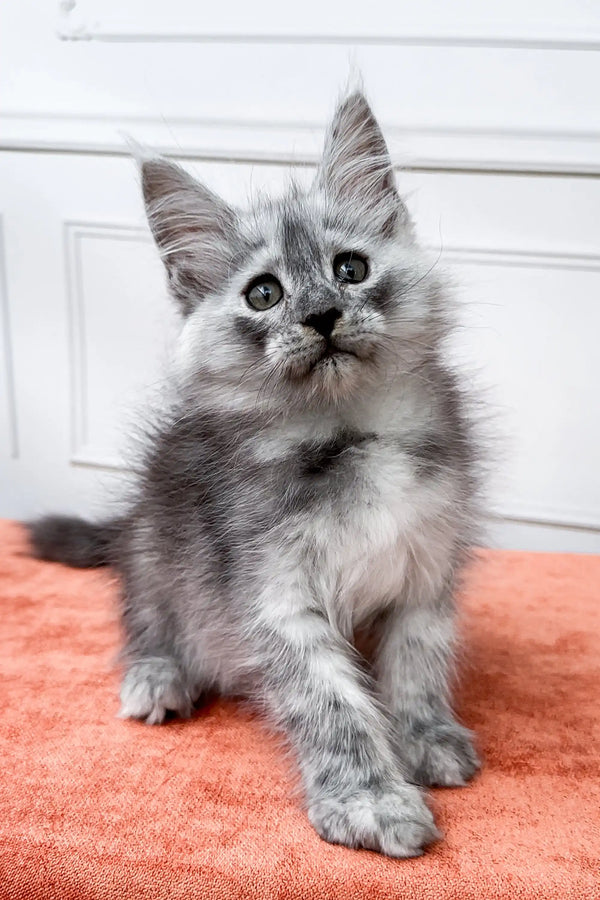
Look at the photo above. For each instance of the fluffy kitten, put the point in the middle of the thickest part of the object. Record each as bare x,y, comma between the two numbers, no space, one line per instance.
307,502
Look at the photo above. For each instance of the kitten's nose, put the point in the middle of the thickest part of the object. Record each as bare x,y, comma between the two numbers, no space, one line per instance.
323,322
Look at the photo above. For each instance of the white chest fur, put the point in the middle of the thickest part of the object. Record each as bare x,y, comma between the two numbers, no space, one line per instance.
386,538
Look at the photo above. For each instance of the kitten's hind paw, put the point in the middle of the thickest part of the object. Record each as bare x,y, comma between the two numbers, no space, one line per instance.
152,687
396,823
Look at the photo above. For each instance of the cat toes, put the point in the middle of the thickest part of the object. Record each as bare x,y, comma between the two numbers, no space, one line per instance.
438,752
396,823
151,688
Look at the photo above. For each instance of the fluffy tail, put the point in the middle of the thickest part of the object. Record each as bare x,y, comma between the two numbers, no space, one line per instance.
73,541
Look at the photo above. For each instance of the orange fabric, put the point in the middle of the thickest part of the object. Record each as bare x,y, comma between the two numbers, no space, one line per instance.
94,807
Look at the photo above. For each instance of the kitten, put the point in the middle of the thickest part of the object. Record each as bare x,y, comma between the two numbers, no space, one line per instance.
311,490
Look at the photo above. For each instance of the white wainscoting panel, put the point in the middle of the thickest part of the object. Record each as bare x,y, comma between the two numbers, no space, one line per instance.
121,334
521,323
92,346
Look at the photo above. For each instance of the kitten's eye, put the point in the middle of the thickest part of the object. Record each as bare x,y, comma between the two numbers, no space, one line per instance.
350,268
264,292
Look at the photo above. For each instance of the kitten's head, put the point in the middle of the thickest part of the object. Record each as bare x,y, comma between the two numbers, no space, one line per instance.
315,296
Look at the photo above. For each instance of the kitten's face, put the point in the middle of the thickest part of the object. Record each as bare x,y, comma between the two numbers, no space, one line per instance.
316,296
317,307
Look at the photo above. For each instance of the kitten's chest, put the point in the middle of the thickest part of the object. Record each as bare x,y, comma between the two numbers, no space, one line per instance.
360,480
371,499
374,528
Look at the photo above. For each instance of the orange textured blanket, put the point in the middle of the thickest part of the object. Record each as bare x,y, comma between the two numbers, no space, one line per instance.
95,807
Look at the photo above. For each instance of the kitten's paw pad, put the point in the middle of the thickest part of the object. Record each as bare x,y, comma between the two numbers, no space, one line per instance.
151,688
439,753
397,823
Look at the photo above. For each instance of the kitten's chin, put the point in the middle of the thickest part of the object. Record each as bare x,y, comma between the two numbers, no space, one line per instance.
334,374
333,361
337,374
331,371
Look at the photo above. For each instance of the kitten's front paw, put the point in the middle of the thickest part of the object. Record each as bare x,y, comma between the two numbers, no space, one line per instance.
397,823
437,751
151,688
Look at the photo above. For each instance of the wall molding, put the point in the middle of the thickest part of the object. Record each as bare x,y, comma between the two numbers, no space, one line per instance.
554,40
529,259
551,516
7,349
86,20
412,146
83,452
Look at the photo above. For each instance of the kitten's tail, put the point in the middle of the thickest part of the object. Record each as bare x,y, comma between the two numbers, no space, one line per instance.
74,541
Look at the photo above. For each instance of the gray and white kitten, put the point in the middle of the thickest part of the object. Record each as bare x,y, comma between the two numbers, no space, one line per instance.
305,506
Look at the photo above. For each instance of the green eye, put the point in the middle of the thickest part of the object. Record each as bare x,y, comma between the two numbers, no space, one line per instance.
350,268
264,292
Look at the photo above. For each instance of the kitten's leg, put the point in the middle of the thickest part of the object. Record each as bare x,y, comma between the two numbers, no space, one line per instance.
412,667
152,687
155,682
313,688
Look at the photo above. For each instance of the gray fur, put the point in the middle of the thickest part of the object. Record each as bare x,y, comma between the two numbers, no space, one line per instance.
292,500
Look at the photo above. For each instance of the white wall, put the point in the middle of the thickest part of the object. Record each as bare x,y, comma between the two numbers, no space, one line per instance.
492,111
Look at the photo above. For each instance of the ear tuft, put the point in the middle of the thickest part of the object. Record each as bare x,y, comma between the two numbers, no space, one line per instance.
140,153
192,227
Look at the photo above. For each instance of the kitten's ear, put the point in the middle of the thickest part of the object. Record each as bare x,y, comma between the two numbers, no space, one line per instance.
192,227
356,164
